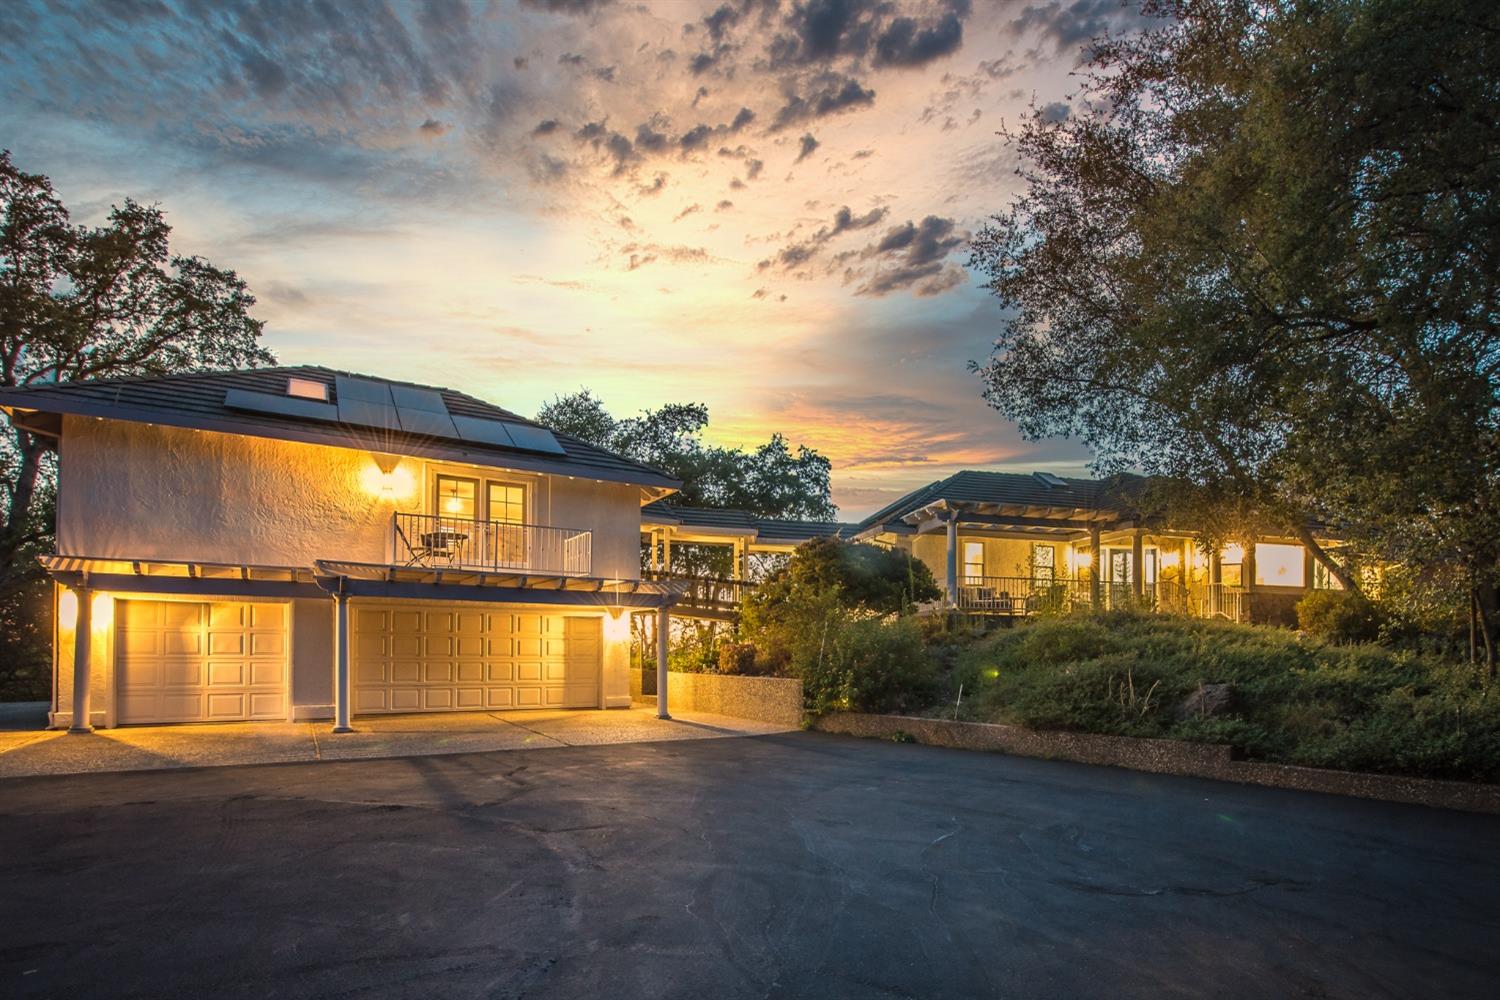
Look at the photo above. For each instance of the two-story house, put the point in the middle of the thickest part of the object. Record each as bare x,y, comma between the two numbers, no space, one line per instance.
299,543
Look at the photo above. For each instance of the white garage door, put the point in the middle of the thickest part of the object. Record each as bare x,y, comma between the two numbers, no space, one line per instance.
200,662
435,658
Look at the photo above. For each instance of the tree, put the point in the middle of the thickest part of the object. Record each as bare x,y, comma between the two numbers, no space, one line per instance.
1261,258
770,481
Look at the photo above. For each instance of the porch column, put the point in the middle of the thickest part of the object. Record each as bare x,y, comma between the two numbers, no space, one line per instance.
83,645
666,551
1247,568
737,571
1187,570
1137,565
663,635
341,663
1096,547
952,560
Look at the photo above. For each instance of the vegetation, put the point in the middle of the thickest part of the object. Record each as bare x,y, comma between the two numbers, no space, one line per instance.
88,302
1258,258
1294,699
838,616
1338,616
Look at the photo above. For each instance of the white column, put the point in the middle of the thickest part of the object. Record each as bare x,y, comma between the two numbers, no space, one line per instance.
1137,566
1095,590
663,634
952,561
341,664
666,551
83,645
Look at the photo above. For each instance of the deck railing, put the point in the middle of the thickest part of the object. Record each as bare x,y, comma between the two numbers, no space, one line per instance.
1218,600
1020,595
436,542
704,593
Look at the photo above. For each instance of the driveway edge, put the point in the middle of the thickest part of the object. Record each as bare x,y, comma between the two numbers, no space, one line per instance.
1194,760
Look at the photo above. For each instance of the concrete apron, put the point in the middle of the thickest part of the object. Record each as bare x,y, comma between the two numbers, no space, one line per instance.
28,752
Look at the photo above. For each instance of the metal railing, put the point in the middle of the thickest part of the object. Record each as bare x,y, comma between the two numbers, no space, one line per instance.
435,542
709,593
1218,600
1020,595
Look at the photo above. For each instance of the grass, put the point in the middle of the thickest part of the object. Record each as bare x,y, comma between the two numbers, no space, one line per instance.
1296,700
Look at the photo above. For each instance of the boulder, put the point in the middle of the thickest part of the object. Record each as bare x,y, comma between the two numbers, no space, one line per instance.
1207,701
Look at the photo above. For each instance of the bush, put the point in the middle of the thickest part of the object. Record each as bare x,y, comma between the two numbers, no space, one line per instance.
869,665
1338,616
864,576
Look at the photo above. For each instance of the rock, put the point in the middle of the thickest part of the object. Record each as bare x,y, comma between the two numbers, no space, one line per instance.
1206,702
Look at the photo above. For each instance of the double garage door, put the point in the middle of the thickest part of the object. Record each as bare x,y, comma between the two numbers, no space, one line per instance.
180,661
177,661
434,658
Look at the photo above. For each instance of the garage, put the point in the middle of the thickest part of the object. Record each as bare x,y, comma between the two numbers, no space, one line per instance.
181,661
437,658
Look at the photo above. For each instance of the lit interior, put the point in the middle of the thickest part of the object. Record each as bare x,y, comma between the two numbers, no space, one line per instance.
1279,565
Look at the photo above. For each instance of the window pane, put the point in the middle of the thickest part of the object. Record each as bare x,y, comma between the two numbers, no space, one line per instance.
1043,561
507,503
1279,566
973,560
456,497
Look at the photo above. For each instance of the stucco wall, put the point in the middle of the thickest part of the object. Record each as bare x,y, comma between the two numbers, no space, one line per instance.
138,491
1002,556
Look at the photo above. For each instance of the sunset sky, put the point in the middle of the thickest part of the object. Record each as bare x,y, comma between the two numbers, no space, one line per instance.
761,207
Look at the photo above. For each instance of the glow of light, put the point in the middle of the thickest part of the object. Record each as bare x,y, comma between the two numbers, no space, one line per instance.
1083,560
103,614
616,626
67,610
1170,559
1232,553
388,483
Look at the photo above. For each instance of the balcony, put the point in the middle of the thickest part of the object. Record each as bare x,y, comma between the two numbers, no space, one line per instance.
433,542
1020,596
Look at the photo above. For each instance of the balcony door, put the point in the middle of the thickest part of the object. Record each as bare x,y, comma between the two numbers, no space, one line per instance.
486,518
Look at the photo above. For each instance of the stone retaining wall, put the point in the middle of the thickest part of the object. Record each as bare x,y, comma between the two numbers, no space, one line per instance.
765,699
1198,760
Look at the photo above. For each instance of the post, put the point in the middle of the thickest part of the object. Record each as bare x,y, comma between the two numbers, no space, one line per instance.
83,646
666,551
1137,566
952,566
663,634
1097,549
341,662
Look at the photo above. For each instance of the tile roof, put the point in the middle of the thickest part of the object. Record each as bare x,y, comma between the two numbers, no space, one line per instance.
196,400
1011,488
766,529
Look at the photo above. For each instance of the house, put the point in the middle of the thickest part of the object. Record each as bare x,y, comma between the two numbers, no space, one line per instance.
1013,544
299,543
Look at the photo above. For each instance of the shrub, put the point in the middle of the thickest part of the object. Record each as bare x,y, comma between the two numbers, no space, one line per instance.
869,665
1338,616
864,576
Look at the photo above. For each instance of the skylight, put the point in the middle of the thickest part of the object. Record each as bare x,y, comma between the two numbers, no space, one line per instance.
306,388
1048,479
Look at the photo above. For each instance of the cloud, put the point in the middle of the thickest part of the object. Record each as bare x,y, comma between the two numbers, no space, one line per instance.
687,211
913,255
1057,111
794,255
906,43
546,127
1069,25
434,129
572,7
827,94
806,146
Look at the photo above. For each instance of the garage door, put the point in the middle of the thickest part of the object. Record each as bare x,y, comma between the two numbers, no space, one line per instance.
435,658
200,662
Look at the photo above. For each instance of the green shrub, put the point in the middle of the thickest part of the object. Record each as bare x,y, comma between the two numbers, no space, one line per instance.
869,665
1338,616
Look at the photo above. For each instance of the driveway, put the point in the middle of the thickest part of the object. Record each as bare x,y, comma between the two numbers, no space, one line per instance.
792,865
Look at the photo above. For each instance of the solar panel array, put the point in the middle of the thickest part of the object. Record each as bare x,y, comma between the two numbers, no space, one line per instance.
408,409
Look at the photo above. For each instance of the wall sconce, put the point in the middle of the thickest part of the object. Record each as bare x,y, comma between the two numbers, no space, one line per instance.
1083,560
102,618
67,610
616,626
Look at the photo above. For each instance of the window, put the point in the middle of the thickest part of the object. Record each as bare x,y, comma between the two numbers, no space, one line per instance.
507,503
456,496
973,561
1279,566
306,388
1324,580
1043,562
1232,565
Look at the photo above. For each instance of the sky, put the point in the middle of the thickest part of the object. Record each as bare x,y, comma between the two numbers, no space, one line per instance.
762,206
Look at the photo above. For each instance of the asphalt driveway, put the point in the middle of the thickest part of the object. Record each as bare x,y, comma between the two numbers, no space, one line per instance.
792,865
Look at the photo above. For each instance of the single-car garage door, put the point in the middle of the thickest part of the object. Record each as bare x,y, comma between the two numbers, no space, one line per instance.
435,658
178,661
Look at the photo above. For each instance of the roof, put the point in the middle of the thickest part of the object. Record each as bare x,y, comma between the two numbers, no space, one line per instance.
728,521
971,488
197,400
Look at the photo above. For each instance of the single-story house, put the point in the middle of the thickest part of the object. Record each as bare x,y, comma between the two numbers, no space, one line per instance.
300,543
1008,543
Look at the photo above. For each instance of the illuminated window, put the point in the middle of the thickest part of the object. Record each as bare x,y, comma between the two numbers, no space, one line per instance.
306,388
1231,565
1043,562
1279,566
1323,579
973,561
507,503
455,497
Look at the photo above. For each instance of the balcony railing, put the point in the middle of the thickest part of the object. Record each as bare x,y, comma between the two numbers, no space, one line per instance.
1020,595
436,542
704,593
1218,600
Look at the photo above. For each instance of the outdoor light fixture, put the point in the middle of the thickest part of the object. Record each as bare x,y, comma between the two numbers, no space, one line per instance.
616,625
1083,560
67,610
103,615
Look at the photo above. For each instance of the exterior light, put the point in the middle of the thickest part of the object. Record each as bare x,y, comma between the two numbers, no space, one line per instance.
67,610
616,626
1083,560
103,616
388,483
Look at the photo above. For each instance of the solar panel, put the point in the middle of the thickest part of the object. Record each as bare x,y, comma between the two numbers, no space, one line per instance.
363,389
281,406
366,403
426,422
410,397
534,438
483,431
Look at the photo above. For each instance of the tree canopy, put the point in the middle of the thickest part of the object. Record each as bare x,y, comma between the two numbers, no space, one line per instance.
1260,257
769,481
